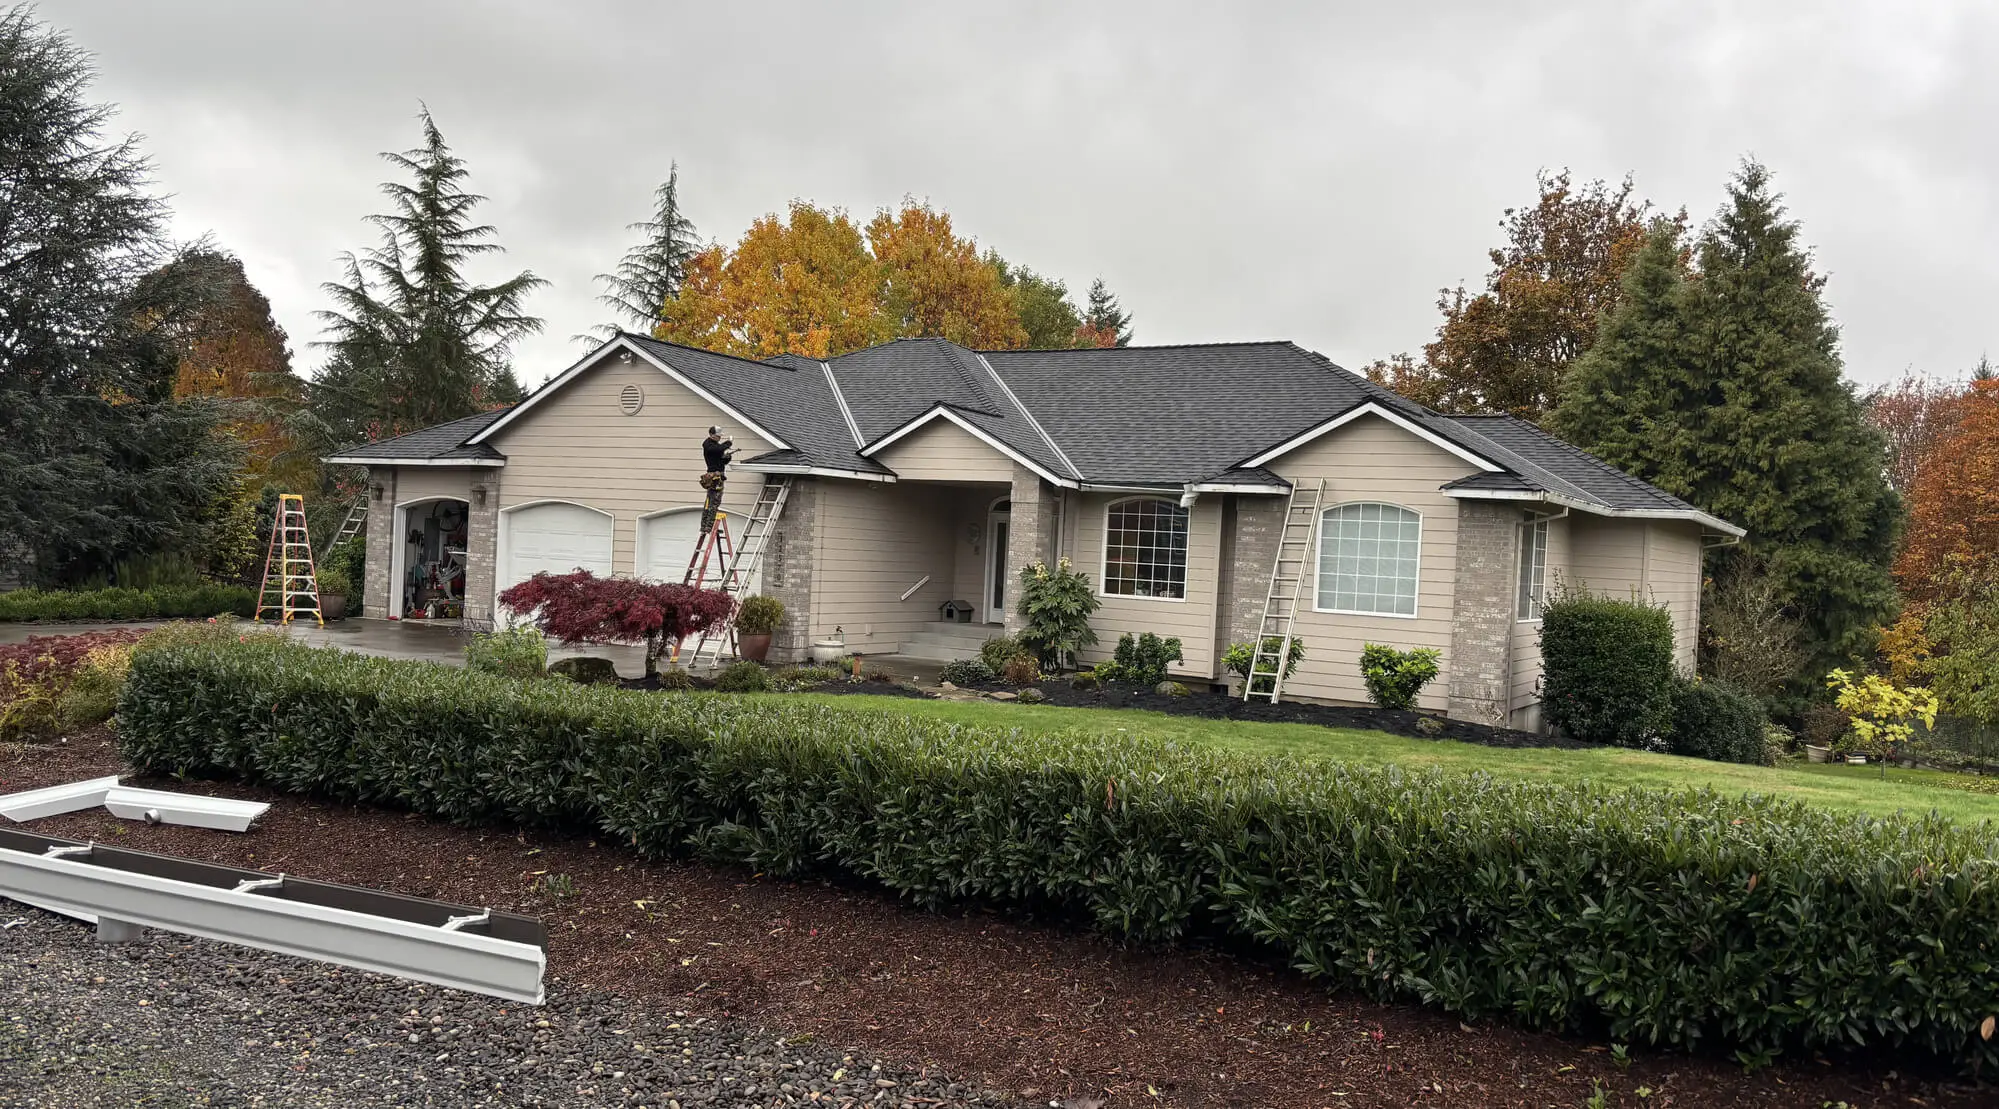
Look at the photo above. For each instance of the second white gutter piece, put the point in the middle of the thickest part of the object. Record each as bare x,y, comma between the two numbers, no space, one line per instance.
156,806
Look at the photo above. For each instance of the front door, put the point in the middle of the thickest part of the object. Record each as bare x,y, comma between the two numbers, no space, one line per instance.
996,575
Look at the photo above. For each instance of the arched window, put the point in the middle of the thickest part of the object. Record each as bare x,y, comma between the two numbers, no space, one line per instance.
1367,559
1145,549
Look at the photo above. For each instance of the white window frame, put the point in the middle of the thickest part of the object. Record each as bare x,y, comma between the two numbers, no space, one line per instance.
1319,554
1104,554
1533,540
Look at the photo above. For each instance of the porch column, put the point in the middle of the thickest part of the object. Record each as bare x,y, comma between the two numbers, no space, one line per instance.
787,570
1482,613
375,584
1030,535
482,546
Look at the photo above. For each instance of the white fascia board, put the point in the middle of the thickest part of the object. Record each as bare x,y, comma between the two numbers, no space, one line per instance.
34,804
156,806
1694,516
357,460
1225,487
890,439
591,359
1104,487
809,471
1369,408
457,959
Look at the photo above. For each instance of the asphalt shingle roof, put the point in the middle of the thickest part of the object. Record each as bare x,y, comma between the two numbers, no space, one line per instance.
1163,416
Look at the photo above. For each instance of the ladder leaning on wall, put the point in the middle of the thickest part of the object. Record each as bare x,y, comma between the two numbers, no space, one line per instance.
1287,588
291,582
357,518
734,566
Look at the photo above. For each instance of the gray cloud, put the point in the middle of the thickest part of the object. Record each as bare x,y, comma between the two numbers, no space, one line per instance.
1310,171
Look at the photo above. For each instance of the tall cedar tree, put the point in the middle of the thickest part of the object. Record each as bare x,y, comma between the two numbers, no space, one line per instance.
1725,389
414,341
99,462
1555,279
1105,323
651,273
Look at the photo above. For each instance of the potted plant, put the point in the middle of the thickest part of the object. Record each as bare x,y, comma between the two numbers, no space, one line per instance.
334,589
756,621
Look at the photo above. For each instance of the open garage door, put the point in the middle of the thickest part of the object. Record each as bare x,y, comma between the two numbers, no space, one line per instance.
555,537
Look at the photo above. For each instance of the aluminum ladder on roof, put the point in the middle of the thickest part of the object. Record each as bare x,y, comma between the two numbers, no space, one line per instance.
357,518
1275,632
740,564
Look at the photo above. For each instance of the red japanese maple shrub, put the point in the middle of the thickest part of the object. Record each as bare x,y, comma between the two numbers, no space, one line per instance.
580,607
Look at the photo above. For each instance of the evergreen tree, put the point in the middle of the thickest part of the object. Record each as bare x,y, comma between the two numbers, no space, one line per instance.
1726,390
1046,312
651,273
414,341
99,462
1105,324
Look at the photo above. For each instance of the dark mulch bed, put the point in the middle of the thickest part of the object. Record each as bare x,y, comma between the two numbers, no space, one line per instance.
1221,706
1039,1010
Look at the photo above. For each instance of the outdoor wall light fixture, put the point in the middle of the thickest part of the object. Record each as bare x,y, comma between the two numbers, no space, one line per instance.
479,495
378,492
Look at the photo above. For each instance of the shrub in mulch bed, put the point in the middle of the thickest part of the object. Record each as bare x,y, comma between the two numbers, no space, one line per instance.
1655,917
1221,706
53,682
170,601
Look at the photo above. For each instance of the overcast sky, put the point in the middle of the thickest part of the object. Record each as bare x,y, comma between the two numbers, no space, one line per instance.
1311,171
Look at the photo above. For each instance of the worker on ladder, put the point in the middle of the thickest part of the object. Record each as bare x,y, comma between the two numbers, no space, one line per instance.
716,451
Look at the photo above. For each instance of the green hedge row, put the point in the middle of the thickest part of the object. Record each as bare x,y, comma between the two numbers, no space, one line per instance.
197,601
1650,917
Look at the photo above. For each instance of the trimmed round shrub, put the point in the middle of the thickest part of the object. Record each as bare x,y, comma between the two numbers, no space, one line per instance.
1000,650
742,677
1021,670
1394,678
516,652
674,678
1607,669
1713,720
968,671
760,615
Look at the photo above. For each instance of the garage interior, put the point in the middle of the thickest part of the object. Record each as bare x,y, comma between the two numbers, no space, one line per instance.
434,544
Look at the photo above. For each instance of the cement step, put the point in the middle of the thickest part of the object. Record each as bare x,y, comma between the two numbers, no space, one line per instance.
941,642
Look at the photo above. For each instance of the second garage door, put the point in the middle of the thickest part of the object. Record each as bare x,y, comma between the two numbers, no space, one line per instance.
557,538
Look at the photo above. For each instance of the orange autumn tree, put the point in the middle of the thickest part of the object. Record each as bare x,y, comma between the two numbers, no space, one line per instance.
231,348
1916,414
816,284
1954,502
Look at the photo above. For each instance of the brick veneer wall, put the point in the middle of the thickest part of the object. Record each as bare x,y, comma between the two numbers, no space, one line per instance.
787,570
381,542
482,548
1030,534
1482,612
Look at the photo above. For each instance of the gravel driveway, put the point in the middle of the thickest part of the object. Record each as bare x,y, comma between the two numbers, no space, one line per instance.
173,1021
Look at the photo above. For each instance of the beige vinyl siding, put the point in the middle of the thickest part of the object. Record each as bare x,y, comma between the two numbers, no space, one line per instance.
972,507
416,483
871,542
578,445
1371,459
1654,560
1526,661
1191,619
942,451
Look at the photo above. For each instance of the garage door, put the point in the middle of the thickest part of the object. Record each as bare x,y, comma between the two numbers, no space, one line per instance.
557,538
666,542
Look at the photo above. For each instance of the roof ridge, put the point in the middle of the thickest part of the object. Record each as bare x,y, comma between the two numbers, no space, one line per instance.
713,353
1135,346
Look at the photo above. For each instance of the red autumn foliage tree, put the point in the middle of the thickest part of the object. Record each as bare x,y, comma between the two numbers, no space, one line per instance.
1954,503
1916,413
581,607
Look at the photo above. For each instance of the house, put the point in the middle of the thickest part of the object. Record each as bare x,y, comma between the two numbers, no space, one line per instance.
922,473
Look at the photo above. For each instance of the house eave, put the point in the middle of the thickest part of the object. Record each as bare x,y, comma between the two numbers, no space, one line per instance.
1696,516
789,469
364,460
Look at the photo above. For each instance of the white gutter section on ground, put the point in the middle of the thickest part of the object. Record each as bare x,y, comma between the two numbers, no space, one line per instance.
155,806
56,800
126,900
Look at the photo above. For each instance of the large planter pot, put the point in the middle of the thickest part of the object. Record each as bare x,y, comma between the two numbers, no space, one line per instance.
754,646
1817,754
332,606
828,650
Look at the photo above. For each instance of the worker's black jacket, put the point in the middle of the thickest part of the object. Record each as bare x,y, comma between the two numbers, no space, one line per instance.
716,453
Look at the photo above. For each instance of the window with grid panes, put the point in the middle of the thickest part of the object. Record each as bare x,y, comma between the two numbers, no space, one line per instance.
1145,549
1367,559
1533,569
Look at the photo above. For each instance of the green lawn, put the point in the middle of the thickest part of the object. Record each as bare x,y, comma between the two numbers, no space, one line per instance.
1844,787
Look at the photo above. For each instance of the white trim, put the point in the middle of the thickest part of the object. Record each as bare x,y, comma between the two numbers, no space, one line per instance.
1318,556
809,471
840,399
501,545
639,551
1695,516
592,358
1031,421
1167,491
996,560
937,410
399,545
1370,408
1104,550
358,460
1226,487
1540,525
34,804
460,960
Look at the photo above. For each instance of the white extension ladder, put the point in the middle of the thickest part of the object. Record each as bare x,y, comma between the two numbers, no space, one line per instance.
1276,630
738,564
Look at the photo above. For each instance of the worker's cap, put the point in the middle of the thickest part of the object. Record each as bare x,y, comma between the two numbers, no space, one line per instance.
713,430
